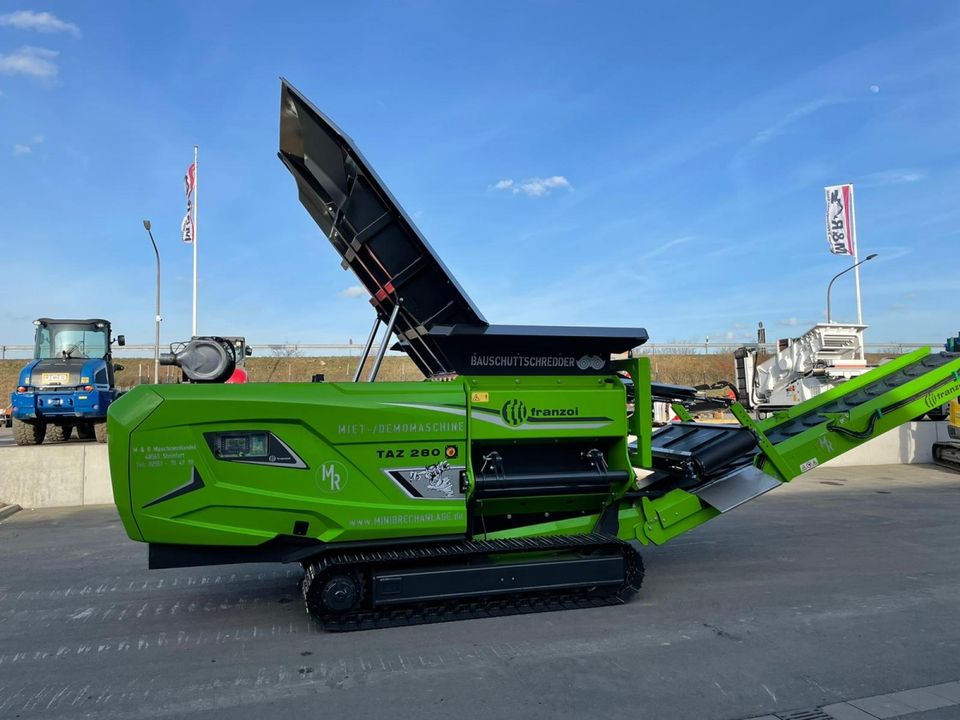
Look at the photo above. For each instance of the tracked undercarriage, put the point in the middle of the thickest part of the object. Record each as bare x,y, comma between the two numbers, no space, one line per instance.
369,589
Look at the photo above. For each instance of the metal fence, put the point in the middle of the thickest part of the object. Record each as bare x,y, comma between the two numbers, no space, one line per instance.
710,348
290,350
278,350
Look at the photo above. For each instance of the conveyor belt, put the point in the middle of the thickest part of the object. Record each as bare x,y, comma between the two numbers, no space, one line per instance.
702,457
706,449
815,416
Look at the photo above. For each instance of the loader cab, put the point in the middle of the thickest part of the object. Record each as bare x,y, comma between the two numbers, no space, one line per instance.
74,342
62,339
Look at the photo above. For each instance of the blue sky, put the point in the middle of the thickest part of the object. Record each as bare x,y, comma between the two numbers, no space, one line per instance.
639,164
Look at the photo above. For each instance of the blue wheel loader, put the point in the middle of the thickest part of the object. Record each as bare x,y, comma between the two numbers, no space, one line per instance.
69,383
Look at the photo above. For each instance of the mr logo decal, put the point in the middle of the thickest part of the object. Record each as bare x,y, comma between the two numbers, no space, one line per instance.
332,477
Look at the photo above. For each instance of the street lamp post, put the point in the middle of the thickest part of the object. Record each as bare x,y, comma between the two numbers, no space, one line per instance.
842,272
156,343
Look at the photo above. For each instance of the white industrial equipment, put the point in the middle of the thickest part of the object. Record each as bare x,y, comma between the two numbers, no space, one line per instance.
824,356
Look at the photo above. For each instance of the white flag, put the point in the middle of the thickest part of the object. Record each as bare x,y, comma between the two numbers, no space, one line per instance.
841,226
189,183
186,227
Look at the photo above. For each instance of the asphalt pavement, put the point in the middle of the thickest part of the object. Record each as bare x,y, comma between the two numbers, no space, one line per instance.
843,585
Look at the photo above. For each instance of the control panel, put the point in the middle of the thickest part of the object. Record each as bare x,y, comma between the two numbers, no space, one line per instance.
254,447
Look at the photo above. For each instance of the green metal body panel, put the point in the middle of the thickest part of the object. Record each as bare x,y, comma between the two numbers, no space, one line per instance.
349,436
641,422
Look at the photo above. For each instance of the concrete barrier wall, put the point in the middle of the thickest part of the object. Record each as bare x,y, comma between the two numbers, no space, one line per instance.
78,473
908,444
55,475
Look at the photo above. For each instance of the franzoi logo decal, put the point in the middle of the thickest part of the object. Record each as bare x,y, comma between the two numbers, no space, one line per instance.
514,412
936,399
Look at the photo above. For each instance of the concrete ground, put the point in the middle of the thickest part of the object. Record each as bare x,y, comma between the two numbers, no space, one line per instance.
843,585
6,436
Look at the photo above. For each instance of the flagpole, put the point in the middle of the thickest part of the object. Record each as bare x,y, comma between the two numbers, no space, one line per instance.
856,258
196,192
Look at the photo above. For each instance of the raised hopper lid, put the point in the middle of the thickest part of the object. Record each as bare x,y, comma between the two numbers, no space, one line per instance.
377,240
366,225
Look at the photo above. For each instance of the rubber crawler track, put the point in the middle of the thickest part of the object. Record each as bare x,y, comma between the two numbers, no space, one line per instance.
316,572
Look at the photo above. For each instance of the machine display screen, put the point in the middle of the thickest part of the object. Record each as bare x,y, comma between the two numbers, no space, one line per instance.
255,447
258,444
246,445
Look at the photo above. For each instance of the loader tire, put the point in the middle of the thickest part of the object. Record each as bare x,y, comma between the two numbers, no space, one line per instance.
25,433
59,433
100,431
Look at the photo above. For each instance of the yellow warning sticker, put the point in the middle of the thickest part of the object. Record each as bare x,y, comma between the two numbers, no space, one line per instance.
480,397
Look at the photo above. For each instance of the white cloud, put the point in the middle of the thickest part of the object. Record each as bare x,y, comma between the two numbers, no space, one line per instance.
29,60
40,21
892,177
26,148
793,322
661,248
791,118
534,187
354,291
874,89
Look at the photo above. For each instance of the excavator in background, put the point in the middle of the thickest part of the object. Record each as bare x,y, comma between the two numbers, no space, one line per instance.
947,453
